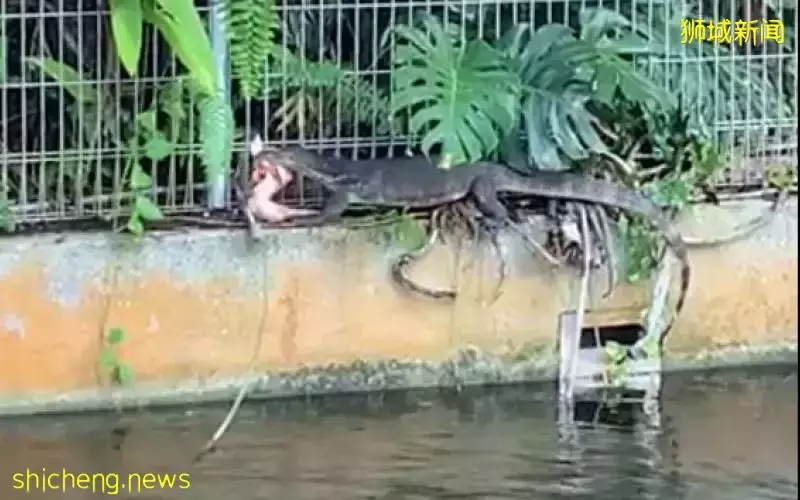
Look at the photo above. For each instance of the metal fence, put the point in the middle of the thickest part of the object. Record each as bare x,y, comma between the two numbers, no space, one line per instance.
61,146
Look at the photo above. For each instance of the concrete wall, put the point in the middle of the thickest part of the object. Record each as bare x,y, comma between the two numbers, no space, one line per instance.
194,302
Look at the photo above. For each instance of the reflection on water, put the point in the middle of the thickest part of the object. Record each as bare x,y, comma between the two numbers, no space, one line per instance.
728,436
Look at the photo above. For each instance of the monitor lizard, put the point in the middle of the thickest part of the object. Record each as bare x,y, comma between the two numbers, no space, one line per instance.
417,182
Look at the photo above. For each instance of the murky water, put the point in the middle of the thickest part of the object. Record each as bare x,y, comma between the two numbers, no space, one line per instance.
727,436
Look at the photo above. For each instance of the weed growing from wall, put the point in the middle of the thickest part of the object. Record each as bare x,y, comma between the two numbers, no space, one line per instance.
116,371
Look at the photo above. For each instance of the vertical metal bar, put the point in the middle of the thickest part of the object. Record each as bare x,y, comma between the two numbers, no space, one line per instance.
41,192
218,186
321,91
746,125
794,58
717,18
765,114
5,148
339,51
393,7
101,42
23,177
375,88
156,95
356,116
730,132
80,177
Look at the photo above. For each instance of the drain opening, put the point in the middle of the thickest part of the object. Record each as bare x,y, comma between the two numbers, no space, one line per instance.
625,334
584,361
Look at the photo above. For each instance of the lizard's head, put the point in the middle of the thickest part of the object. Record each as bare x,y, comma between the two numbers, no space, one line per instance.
267,161
270,160
261,170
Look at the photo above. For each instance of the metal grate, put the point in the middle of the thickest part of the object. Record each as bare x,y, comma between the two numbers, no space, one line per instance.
61,153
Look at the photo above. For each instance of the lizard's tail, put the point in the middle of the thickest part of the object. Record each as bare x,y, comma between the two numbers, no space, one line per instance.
567,186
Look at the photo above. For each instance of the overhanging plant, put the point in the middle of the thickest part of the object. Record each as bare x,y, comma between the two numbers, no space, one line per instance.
179,22
474,99
562,83
563,74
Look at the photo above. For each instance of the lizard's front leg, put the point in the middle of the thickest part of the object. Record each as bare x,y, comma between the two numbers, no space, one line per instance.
497,216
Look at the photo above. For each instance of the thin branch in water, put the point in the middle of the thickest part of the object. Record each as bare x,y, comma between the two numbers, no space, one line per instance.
223,427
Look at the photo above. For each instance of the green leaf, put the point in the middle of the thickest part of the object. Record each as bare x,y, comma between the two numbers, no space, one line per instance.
649,347
147,120
123,374
115,336
250,27
66,76
462,96
126,25
158,147
541,151
409,232
7,222
107,358
172,102
670,192
140,179
633,44
615,352
3,59
555,72
181,26
606,78
135,225
146,209
216,134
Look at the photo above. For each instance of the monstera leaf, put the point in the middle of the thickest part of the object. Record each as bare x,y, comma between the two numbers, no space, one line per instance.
561,74
557,124
614,40
461,96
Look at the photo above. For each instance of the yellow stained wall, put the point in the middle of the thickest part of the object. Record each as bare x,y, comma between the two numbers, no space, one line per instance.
192,304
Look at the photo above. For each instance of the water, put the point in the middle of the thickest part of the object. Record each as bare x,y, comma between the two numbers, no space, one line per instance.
727,436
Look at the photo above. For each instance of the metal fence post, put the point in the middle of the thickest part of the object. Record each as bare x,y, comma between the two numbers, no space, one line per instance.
218,187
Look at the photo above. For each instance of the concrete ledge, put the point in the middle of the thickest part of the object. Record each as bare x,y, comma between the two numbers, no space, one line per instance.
194,303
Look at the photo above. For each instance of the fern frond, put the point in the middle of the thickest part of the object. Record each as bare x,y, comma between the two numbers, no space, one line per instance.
335,82
367,101
250,26
302,73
